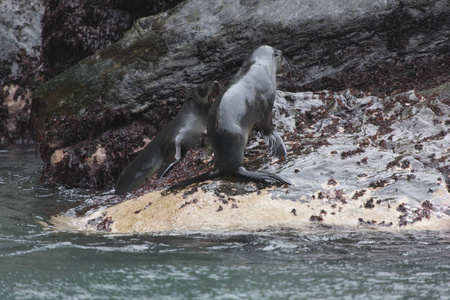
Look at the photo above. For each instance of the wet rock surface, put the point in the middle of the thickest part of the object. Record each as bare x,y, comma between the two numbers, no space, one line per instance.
354,160
20,31
73,30
40,39
254,212
380,48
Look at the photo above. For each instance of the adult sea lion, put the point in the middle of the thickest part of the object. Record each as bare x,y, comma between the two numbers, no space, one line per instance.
172,143
244,106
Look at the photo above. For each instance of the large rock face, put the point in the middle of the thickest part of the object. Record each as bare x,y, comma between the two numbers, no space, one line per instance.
97,114
40,39
73,30
354,160
20,32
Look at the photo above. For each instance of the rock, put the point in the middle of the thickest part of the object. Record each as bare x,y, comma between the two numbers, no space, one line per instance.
376,47
73,30
254,212
355,161
19,52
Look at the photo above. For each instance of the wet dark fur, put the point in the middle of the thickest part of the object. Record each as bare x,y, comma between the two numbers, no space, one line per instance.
244,106
172,143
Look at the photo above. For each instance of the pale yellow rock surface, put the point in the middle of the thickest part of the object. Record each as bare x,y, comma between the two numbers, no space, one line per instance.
207,212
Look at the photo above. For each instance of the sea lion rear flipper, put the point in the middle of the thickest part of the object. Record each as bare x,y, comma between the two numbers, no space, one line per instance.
197,179
261,176
275,144
144,165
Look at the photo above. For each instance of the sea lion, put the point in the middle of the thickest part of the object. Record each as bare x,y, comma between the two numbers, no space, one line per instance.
244,106
172,143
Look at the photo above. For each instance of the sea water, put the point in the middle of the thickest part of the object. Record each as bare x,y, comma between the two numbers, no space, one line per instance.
37,262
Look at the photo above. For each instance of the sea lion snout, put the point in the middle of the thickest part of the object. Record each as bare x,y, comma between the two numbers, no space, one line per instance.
206,92
214,93
279,60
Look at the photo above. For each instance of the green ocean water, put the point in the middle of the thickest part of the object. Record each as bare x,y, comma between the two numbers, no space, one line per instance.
324,263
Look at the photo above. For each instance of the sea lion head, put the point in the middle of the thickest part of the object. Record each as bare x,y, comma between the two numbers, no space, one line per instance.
206,92
269,54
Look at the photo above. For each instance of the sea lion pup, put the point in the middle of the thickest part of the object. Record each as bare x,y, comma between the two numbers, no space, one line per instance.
245,105
172,143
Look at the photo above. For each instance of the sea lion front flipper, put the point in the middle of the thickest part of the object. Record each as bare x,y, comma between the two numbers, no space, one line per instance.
177,158
275,144
169,168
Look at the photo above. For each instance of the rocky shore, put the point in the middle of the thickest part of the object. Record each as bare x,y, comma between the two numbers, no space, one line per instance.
96,116
363,107
354,160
